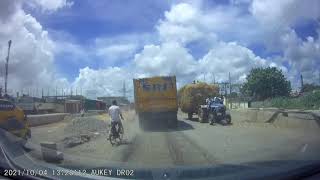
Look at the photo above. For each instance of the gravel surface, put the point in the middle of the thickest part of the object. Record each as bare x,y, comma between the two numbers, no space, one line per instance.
85,125
83,129
193,143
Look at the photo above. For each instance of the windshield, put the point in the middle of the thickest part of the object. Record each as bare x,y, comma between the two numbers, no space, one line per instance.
147,89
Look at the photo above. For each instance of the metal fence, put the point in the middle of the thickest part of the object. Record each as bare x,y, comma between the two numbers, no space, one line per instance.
237,102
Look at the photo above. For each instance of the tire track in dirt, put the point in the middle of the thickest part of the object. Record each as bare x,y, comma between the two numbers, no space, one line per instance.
175,152
183,150
130,150
174,148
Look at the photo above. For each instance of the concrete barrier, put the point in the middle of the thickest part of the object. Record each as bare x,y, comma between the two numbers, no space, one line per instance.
95,112
41,119
279,117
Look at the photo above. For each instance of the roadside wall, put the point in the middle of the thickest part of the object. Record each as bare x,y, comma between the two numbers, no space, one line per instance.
37,120
279,117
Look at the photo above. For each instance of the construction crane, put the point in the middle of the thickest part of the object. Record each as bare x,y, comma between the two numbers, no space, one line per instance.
7,67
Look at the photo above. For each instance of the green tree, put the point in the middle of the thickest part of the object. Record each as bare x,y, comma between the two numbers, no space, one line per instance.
263,83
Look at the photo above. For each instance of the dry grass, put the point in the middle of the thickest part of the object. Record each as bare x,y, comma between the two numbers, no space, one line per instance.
192,95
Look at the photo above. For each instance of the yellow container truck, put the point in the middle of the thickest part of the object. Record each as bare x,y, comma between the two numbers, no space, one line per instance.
156,101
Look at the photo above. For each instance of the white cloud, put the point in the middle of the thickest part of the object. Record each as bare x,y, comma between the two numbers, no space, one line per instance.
107,50
31,57
103,82
233,58
166,53
169,58
278,19
182,25
303,56
286,12
117,52
185,23
49,5
76,52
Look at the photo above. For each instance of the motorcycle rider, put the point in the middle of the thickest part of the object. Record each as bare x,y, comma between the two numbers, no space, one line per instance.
208,101
114,112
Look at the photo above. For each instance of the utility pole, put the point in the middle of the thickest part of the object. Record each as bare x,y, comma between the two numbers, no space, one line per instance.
124,89
7,68
225,89
301,78
213,79
229,84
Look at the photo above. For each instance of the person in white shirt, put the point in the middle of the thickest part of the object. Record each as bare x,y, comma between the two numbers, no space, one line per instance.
82,112
115,115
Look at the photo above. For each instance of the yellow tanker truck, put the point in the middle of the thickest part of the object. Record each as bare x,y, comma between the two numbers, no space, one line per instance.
156,101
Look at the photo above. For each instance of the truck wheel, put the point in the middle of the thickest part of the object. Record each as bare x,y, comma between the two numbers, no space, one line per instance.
211,118
228,118
190,116
142,122
172,124
173,121
201,115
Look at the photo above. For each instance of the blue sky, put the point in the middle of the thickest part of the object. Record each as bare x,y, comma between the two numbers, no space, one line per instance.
87,20
84,43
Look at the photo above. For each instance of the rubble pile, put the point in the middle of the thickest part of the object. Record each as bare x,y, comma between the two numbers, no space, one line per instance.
82,129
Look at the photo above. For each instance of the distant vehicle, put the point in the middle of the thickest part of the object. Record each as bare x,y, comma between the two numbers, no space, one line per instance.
13,120
214,112
156,101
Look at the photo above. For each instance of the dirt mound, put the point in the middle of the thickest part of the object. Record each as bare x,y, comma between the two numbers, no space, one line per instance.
82,129
85,125
192,95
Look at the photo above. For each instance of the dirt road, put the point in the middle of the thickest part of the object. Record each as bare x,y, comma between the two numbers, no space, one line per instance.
193,143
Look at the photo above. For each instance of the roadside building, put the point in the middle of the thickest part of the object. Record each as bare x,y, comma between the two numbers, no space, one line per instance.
122,101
